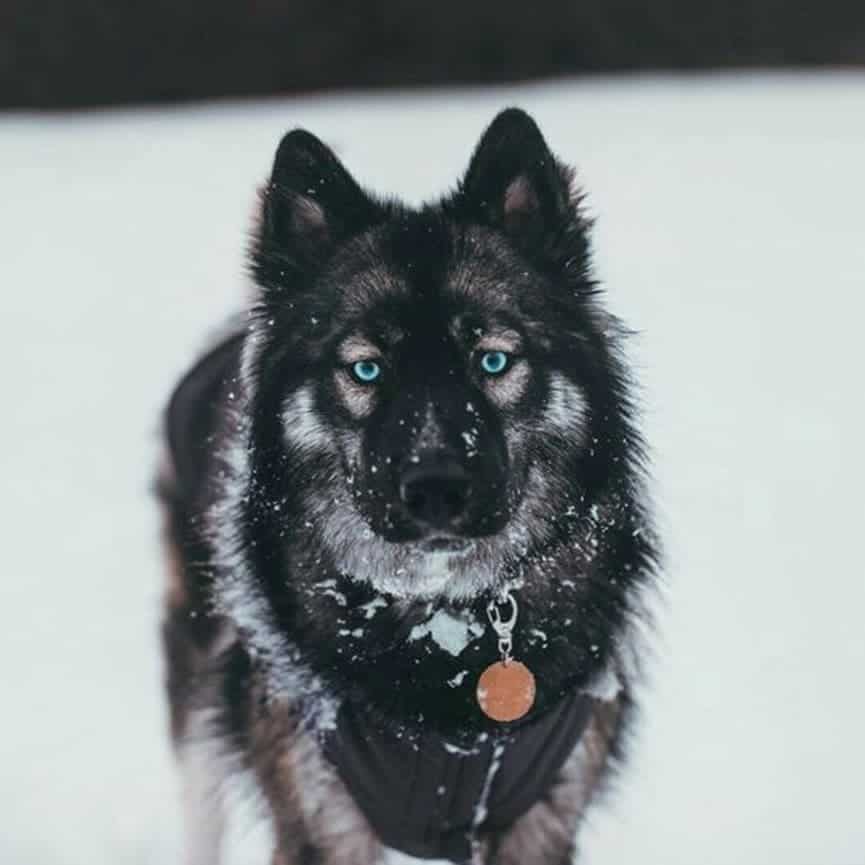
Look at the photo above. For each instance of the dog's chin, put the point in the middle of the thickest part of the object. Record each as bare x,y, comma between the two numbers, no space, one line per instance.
445,544
439,568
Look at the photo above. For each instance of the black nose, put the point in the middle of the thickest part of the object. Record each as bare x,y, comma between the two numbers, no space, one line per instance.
434,487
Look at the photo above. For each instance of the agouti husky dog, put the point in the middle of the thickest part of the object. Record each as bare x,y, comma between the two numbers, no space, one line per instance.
413,462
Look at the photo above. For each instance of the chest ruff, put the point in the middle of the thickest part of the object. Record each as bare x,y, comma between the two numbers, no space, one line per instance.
428,798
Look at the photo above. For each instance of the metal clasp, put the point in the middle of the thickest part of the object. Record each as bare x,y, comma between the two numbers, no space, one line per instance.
504,627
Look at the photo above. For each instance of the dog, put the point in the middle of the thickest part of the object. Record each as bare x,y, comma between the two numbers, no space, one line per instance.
414,460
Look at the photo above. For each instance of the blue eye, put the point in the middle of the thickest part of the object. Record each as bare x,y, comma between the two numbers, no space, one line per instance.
494,362
366,371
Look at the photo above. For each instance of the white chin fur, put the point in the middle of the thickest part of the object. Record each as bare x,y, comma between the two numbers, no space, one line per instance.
407,571
404,570
431,574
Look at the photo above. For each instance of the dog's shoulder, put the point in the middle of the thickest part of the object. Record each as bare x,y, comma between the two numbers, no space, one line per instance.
194,412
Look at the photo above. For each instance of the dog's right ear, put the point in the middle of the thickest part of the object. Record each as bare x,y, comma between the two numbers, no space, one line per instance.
310,205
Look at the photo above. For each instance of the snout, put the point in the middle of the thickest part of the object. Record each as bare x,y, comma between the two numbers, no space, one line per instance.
434,489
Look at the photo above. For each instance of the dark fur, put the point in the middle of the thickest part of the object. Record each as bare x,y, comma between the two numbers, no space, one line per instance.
508,251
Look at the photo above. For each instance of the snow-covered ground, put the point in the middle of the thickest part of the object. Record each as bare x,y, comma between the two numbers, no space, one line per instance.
731,233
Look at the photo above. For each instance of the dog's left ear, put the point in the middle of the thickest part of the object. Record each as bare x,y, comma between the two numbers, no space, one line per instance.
514,182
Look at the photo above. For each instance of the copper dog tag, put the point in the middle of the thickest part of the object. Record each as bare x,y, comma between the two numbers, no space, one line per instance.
506,691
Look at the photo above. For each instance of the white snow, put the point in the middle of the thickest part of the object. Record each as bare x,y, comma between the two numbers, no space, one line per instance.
339,597
370,608
456,749
730,234
480,813
394,857
448,631
458,679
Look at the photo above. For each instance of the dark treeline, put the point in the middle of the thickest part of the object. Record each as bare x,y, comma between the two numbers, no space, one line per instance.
67,53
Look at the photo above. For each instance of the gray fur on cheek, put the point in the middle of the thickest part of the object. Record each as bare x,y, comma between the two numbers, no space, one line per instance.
509,388
304,428
350,445
358,399
567,410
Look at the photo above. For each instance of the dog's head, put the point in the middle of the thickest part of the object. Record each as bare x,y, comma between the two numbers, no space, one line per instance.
434,386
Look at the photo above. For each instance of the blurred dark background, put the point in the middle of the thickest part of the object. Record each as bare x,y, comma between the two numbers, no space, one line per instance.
73,53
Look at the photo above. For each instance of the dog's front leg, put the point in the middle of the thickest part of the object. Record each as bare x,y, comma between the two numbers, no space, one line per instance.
539,837
204,818
546,833
316,822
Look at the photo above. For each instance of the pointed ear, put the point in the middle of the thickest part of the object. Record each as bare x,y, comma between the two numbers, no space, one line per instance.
310,204
514,182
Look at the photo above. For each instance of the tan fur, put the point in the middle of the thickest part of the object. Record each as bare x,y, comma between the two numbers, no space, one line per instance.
175,586
356,347
176,594
309,804
500,340
358,399
507,389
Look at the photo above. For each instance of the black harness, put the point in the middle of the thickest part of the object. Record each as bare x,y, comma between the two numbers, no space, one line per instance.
428,798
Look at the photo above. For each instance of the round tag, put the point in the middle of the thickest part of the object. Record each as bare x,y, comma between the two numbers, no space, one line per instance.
506,691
